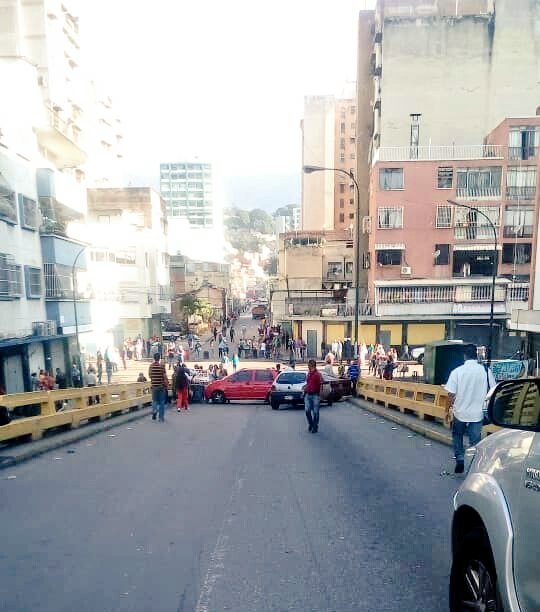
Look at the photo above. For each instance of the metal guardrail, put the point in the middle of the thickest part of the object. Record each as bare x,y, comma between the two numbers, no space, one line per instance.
75,408
427,402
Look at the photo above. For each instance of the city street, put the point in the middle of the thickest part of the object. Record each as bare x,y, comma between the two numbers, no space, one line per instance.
231,507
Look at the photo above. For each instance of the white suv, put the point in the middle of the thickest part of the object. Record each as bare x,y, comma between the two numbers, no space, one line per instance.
496,523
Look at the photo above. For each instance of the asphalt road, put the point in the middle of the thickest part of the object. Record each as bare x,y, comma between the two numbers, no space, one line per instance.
231,507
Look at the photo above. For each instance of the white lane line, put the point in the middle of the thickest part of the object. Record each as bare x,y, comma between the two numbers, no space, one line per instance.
217,558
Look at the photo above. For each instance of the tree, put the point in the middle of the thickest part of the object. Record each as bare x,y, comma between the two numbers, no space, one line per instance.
260,221
192,305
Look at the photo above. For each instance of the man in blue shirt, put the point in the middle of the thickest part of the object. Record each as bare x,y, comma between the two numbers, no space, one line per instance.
354,374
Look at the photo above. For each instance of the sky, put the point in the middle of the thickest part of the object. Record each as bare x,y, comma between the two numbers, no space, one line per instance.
223,80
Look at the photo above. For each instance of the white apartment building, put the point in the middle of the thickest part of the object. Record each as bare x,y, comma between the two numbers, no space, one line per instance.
194,203
127,281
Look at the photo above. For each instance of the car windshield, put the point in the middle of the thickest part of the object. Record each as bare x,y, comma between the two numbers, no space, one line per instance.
291,378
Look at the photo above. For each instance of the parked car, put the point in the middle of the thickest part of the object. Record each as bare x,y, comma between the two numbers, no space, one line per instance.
246,384
495,532
418,354
289,384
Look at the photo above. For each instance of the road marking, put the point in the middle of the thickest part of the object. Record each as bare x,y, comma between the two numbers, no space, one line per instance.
216,565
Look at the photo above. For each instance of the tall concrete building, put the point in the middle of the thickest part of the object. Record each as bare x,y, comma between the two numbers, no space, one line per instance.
194,205
328,140
438,118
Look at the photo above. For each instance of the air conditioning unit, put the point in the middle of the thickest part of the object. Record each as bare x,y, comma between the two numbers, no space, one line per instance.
406,270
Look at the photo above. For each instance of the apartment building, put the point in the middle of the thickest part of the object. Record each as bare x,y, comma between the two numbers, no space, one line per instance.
329,140
431,262
312,297
127,281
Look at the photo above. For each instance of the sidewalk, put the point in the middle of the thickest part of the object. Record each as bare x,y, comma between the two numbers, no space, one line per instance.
429,429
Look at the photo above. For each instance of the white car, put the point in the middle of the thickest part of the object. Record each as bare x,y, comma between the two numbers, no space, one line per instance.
418,354
495,527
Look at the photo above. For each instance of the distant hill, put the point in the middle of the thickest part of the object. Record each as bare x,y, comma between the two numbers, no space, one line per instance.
266,192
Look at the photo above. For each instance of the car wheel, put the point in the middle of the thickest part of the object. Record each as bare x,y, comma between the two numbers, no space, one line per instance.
218,397
473,579
275,405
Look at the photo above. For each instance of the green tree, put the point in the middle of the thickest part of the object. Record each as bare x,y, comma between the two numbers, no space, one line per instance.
193,305
261,221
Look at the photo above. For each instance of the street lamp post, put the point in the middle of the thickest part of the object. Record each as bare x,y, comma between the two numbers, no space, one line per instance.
493,276
309,170
74,282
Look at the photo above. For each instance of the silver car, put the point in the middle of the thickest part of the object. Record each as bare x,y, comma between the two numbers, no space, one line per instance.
288,388
496,523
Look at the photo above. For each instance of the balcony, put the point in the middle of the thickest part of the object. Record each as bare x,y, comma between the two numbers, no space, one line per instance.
327,310
518,231
442,299
44,328
479,193
440,153
521,193
63,192
62,139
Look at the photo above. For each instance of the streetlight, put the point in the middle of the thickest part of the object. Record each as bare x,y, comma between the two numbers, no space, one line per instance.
493,277
74,282
309,170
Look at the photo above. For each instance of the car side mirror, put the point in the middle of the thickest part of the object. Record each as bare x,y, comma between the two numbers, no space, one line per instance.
515,404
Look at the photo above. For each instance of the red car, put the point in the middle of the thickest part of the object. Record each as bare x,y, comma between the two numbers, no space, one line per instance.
242,385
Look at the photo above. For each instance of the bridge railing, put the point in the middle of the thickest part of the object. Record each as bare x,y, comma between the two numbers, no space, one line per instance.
427,402
70,408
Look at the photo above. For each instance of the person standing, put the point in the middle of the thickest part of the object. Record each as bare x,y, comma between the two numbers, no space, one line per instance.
99,363
467,387
235,361
160,386
312,396
354,374
181,385
61,380
232,334
75,374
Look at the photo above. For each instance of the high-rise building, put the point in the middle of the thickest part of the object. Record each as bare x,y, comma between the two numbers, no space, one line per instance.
438,118
328,140
187,190
194,205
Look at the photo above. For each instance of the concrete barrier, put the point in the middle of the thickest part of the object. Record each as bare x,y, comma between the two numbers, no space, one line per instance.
77,406
427,402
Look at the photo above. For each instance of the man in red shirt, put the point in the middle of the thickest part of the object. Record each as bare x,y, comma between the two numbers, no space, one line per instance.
312,399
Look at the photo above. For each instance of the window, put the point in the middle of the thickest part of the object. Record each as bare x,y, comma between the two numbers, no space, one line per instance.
353,110
10,278
263,376
349,266
351,201
8,209
516,253
521,182
126,257
390,218
342,157
341,203
292,378
32,277
342,217
469,225
342,143
444,216
442,254
351,188
391,178
342,188
351,215
28,212
242,376
523,142
390,257
342,127
479,182
445,176
335,268
352,140
353,155
519,222
472,263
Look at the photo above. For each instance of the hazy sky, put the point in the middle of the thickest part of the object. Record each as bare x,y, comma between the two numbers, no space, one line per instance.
221,79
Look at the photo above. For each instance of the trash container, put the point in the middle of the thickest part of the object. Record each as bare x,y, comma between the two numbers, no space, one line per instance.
440,358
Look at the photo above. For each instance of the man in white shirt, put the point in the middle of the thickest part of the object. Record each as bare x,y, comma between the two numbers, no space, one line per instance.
467,387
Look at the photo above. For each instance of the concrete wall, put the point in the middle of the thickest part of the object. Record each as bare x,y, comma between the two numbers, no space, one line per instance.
318,149
461,73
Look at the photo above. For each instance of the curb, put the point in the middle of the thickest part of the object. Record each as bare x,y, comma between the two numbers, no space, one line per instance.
40,447
407,421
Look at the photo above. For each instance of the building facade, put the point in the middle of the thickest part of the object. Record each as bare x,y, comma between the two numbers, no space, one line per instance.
127,281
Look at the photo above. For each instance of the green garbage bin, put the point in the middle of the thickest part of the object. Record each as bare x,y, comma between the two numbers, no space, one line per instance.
440,358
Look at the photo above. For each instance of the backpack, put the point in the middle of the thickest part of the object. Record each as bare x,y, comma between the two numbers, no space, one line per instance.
181,379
